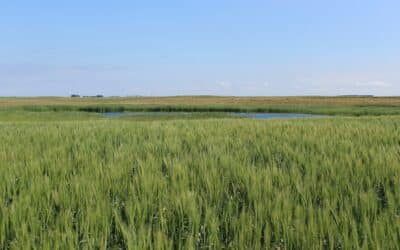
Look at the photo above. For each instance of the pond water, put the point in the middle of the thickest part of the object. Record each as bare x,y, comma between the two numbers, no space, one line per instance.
274,115
246,115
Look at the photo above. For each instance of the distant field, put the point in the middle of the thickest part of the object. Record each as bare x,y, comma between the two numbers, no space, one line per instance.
315,105
200,100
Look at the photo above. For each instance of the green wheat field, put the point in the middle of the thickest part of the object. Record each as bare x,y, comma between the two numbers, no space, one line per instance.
76,180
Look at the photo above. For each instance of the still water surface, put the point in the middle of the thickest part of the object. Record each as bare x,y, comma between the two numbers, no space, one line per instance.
246,115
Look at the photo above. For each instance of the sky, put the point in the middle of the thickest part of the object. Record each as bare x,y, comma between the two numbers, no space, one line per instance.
208,47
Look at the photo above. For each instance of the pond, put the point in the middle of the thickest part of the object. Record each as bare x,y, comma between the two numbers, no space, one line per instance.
240,114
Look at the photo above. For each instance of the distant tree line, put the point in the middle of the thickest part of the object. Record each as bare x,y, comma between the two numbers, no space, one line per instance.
78,96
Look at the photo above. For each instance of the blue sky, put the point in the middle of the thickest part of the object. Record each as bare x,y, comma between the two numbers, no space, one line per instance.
199,47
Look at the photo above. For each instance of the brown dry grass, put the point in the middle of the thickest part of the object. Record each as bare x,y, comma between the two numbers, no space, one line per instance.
198,100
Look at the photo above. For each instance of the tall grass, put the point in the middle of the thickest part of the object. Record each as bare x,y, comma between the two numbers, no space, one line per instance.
329,183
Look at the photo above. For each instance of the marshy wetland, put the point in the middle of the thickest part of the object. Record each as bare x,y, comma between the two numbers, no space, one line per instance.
75,179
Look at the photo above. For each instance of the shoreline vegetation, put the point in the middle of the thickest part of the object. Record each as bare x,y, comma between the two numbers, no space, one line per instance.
340,105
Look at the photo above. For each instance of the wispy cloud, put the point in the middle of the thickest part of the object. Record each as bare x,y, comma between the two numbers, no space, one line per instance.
374,84
225,84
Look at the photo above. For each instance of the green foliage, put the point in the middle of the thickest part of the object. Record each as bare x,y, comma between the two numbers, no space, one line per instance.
324,109
330,183
30,116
